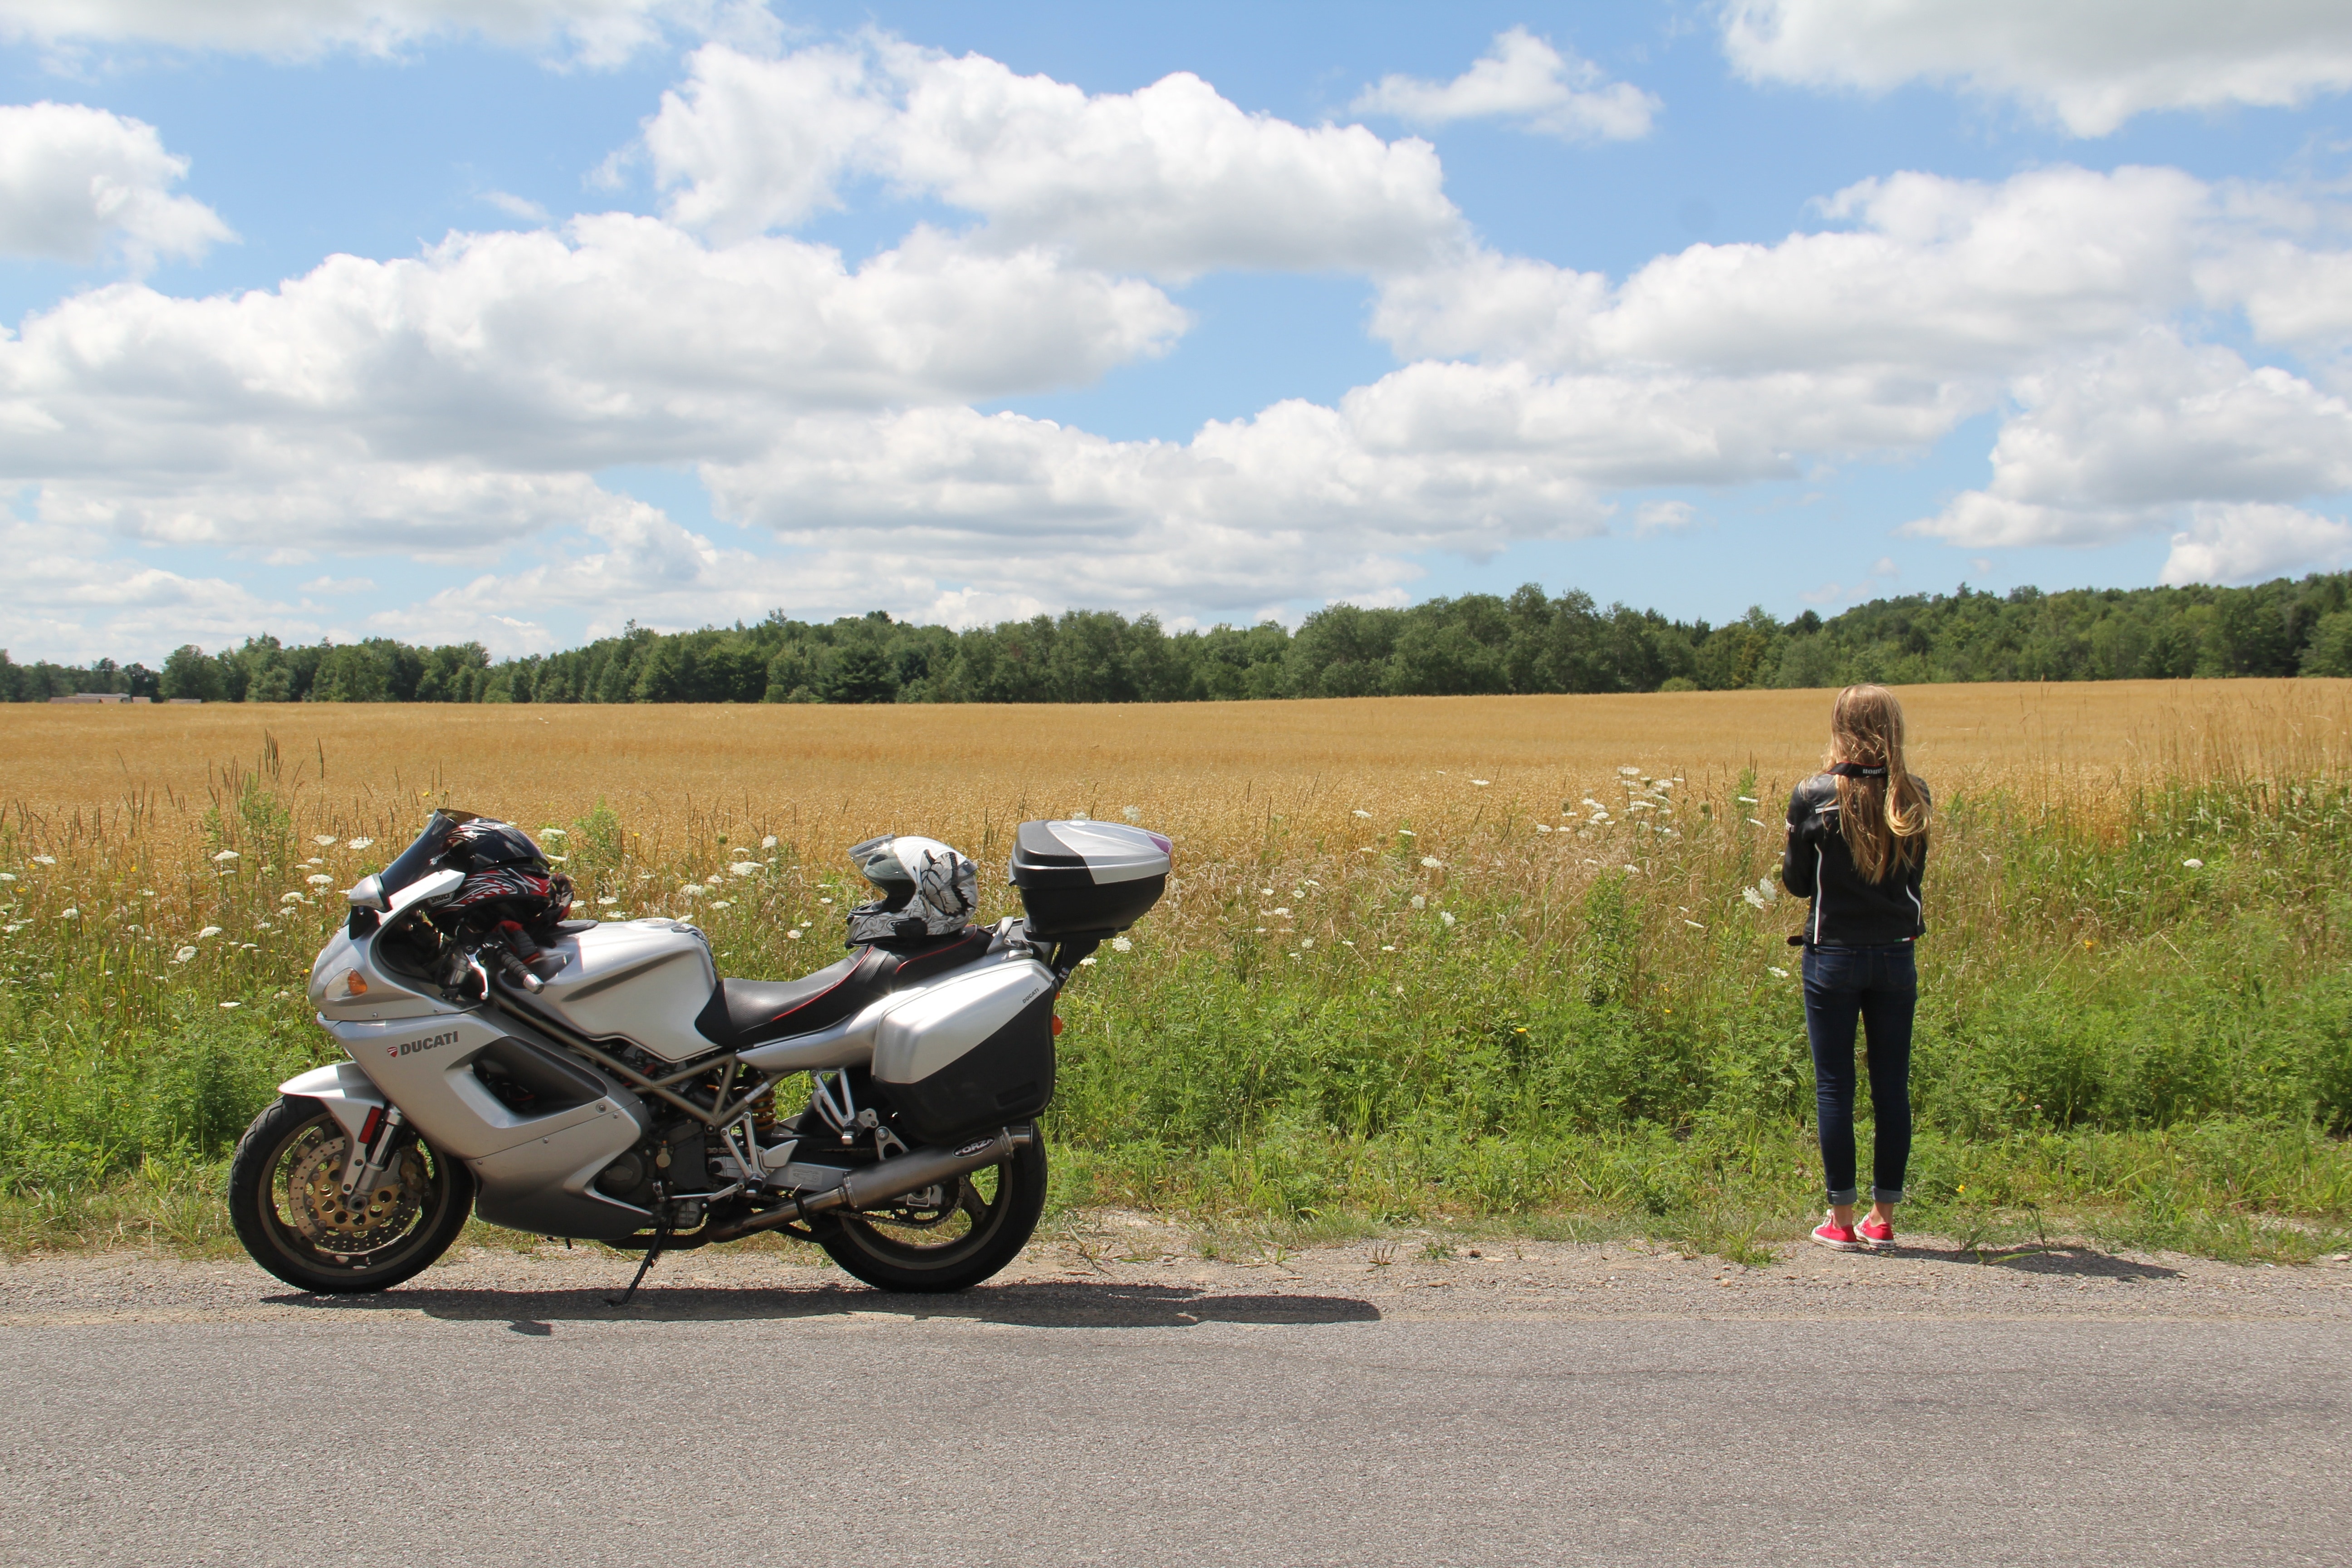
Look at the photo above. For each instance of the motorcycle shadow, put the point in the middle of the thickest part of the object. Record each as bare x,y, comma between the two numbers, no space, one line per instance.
1078,1304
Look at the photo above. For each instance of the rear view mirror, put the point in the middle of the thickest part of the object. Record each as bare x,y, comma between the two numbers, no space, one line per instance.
425,891
367,893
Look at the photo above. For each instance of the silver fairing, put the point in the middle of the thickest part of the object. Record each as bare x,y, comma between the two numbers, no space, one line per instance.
420,1049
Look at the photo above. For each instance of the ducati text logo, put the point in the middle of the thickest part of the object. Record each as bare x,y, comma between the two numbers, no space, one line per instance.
430,1042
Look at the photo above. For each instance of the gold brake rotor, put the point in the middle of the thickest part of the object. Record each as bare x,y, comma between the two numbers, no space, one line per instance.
314,1191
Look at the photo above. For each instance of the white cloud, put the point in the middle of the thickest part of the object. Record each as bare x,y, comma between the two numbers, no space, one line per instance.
2251,542
1664,517
1171,179
2089,65
77,182
1940,278
598,32
486,378
514,205
2118,445
1521,77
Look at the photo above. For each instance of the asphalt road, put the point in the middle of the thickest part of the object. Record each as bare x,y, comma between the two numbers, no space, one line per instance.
1303,1417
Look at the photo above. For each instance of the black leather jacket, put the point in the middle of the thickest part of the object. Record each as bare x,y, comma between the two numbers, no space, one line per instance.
1847,911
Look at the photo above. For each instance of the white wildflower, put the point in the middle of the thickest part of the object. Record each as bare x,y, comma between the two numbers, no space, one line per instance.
184,954
226,1006
793,936
1084,962
1407,833
322,839
693,890
1345,942
1363,814
45,859
1746,799
719,904
1594,804
146,892
208,931
1445,915
2194,865
1388,947
1432,862
1307,942
1419,902
769,842
318,881
1121,945
1753,898
69,914
1635,869
1132,813
290,898
1768,887
554,833
1631,773
1284,911
1543,827
227,855
1481,784
358,843
557,859
1776,970
609,898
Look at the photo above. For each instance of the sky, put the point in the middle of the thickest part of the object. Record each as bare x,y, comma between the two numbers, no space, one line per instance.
517,320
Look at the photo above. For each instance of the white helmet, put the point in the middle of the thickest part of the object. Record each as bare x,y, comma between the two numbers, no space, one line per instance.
928,888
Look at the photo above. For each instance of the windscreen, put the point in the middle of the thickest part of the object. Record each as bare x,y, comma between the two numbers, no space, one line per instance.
417,859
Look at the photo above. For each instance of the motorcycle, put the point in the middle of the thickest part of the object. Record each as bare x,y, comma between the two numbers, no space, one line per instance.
599,1081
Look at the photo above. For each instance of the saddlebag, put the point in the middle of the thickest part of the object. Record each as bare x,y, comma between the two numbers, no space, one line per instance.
1086,878
970,1053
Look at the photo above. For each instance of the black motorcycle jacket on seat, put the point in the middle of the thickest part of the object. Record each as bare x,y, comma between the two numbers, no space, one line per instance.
1848,910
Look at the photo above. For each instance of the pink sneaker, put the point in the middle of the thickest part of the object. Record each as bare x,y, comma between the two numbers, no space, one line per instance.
1876,1234
1839,1238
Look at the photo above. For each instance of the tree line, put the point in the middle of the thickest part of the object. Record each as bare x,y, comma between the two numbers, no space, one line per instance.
1477,643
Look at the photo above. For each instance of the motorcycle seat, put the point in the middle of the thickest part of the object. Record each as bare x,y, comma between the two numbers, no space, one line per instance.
743,1013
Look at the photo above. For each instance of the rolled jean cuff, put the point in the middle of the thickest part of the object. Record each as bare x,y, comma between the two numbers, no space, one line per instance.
1886,1195
1843,1196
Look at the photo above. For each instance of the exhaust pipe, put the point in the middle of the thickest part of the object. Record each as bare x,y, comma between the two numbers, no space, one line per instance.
890,1179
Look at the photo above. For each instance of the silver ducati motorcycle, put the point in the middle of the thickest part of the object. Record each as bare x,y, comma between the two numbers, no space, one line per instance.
600,1080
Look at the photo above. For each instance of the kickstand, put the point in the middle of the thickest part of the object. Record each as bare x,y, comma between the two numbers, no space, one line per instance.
644,1268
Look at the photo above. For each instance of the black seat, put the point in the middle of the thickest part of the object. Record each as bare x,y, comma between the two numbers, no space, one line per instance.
743,1013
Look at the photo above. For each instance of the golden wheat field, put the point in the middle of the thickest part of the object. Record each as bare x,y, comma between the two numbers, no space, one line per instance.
135,804
1209,772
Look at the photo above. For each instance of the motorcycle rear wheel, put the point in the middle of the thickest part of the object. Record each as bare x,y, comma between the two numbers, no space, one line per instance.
284,1201
980,1228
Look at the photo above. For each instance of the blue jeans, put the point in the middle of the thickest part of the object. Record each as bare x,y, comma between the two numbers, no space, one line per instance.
1878,988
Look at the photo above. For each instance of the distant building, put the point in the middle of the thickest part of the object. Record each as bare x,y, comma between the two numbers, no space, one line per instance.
108,697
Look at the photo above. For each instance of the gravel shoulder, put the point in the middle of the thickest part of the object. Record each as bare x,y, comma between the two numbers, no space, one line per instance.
1114,1269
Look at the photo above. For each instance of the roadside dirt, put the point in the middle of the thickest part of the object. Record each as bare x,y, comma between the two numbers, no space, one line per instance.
1127,1268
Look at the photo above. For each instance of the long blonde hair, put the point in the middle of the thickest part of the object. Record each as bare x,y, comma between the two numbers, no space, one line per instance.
1884,820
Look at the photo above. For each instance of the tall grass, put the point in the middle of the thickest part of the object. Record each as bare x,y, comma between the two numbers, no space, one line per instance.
1368,999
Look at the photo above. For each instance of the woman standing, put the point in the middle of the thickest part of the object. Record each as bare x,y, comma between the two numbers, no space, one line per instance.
1857,848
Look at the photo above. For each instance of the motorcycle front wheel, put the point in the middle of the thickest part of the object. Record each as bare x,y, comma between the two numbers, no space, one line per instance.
946,1238
284,1198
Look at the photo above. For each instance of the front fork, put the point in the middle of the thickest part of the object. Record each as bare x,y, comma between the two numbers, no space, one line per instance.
370,1153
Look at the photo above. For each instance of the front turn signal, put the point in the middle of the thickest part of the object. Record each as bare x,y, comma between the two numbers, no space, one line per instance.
1058,1024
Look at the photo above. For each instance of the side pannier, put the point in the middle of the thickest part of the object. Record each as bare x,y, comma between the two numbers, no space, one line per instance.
1086,878
970,1053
